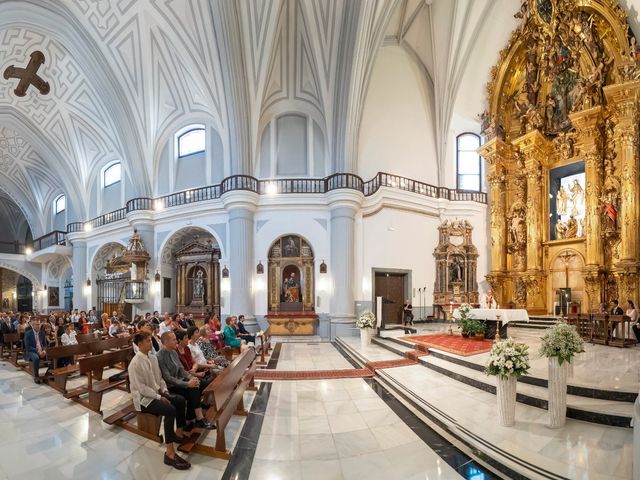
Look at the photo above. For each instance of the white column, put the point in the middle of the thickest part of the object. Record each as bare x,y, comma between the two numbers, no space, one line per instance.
344,206
79,260
241,207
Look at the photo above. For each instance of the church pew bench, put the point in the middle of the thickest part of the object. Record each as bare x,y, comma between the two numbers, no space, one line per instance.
147,425
265,345
11,347
600,329
61,374
620,331
230,352
225,395
93,367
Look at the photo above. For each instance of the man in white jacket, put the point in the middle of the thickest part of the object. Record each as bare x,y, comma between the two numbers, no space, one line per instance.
150,395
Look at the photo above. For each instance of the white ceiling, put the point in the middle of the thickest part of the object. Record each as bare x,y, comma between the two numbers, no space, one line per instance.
126,74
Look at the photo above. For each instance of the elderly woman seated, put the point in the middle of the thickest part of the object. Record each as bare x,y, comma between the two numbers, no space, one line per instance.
202,348
231,338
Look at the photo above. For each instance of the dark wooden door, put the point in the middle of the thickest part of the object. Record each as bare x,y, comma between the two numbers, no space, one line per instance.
390,286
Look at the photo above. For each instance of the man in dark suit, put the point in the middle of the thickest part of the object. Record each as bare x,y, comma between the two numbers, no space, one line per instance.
243,332
6,327
34,347
616,310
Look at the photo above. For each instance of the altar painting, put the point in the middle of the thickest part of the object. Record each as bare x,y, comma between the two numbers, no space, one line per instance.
568,205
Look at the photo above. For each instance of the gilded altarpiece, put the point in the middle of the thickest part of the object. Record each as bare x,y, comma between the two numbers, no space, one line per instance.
198,278
564,92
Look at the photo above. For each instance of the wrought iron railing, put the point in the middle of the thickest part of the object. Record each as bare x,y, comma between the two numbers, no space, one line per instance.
12,247
271,187
134,290
49,240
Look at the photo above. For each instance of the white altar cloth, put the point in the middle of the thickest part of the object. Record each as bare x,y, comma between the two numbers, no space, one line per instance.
506,315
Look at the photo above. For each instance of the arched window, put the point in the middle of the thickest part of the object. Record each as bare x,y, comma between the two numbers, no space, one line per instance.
192,141
468,163
111,175
59,204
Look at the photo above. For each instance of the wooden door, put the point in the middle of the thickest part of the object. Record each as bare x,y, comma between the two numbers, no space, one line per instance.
391,287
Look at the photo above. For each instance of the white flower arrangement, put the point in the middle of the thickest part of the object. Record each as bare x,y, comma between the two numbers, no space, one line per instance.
367,319
562,341
463,312
508,358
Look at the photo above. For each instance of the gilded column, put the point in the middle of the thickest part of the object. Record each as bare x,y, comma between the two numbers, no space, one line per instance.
496,152
623,99
589,143
536,150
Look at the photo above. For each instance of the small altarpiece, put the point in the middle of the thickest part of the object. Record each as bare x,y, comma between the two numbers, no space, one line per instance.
456,261
291,287
198,278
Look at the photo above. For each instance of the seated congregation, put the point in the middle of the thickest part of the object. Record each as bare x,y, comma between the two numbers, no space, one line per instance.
190,377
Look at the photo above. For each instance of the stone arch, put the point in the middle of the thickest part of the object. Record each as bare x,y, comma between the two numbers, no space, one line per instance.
178,237
102,256
37,285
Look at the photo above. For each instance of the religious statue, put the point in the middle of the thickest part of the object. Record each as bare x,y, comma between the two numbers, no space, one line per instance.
290,289
198,285
455,270
517,229
577,198
561,230
561,201
572,227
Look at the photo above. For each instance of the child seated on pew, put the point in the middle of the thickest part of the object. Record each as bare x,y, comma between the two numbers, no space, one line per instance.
69,335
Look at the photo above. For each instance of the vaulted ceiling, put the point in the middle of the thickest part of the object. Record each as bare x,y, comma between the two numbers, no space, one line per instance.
126,74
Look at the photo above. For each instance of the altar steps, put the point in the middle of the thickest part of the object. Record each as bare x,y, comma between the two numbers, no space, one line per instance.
539,323
465,416
613,408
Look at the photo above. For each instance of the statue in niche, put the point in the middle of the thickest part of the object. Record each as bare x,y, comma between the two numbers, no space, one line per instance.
561,230
455,270
517,229
561,201
290,289
198,286
572,227
577,198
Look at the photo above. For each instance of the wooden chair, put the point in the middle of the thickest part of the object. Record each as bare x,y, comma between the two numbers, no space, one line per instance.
225,395
93,367
584,327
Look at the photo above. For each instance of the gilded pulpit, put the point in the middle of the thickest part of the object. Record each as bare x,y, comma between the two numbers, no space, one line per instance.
562,155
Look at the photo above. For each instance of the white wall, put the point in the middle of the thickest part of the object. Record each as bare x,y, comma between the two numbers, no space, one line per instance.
396,132
394,238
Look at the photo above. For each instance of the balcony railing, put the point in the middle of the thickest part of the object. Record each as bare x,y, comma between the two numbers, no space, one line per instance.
265,187
134,291
12,247
49,240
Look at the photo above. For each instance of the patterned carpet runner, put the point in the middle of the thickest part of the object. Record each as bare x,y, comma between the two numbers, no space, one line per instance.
451,343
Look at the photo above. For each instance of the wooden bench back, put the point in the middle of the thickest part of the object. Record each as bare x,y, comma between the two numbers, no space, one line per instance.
87,337
67,351
99,362
223,386
11,337
108,344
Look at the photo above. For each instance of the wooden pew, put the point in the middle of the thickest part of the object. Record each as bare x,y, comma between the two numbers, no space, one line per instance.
225,395
87,337
620,331
13,344
147,424
265,345
93,367
600,328
61,374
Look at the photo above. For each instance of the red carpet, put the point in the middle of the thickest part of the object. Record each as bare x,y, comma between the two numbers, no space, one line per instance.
451,343
402,362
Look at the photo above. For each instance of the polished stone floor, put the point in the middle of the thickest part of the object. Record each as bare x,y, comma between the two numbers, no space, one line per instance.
323,429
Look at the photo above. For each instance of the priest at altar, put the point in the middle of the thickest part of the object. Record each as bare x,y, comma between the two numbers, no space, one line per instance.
489,301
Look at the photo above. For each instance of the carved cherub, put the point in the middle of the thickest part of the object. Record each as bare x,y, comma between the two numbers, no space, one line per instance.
523,15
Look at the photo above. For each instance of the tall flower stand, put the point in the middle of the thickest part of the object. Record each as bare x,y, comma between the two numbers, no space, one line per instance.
557,392
365,337
506,393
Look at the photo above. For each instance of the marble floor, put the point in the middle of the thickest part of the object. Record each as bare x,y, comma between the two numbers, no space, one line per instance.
324,429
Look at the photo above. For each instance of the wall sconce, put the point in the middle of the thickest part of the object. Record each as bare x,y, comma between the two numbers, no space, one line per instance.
323,267
225,272
260,268
88,282
45,287
157,277
28,250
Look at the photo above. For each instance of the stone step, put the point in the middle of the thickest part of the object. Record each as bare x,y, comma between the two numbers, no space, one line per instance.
611,408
